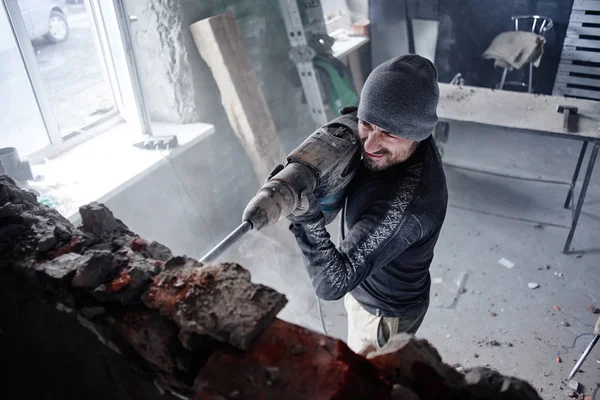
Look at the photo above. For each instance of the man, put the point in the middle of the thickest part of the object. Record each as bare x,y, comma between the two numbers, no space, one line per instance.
394,210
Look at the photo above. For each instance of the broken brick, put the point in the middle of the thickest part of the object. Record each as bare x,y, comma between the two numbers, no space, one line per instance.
152,337
97,219
217,300
266,370
46,243
128,287
94,269
138,244
59,270
485,383
158,251
415,364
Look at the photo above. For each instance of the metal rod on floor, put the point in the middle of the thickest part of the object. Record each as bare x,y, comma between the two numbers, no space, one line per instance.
233,237
583,357
586,182
576,173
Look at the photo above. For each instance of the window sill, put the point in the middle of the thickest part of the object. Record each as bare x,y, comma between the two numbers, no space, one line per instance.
106,165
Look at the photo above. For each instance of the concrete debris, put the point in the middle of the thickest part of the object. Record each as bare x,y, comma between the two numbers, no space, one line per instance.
489,343
418,367
559,275
129,285
59,270
94,268
573,384
46,243
399,392
493,314
533,285
415,364
486,383
215,300
506,263
97,219
159,251
565,323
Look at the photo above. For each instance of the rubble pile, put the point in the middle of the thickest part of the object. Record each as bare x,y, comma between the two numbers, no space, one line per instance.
206,331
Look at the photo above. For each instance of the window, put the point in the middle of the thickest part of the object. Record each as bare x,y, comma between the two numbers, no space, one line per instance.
64,74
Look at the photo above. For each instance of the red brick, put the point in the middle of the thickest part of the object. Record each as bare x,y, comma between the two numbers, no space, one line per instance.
290,362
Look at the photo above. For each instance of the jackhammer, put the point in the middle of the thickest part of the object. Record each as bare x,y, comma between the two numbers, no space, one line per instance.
324,164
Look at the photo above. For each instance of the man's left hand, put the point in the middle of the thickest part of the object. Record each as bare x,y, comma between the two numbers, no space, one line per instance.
308,211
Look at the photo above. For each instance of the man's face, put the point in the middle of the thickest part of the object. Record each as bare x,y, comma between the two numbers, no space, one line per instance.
381,149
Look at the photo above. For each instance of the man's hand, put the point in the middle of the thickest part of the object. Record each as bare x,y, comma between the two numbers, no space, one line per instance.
308,211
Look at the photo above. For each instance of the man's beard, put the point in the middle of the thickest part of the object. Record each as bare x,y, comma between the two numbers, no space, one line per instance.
388,159
378,164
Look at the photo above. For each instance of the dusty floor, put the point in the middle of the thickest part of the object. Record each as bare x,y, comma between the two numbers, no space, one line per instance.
523,221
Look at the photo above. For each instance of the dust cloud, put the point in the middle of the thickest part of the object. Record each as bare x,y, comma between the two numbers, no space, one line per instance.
276,261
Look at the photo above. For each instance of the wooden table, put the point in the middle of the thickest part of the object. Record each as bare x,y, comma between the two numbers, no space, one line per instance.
532,113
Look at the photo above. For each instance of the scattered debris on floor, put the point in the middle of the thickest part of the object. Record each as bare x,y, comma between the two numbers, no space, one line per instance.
573,384
565,323
559,275
533,285
593,309
506,263
490,343
557,308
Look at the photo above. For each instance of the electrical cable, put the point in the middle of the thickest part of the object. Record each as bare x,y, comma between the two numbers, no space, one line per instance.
567,348
321,314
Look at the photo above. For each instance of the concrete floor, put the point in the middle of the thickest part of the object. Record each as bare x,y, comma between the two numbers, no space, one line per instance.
490,218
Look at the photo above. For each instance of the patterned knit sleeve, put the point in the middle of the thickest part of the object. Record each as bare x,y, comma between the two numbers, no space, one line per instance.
383,232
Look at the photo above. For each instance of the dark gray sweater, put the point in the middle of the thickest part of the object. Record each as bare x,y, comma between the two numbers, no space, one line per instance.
393,219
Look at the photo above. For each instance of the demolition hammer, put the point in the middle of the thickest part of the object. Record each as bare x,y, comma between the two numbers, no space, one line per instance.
324,164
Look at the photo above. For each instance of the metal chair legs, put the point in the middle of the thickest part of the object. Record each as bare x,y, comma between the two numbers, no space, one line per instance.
586,182
576,174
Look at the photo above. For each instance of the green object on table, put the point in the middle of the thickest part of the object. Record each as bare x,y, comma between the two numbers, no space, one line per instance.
341,91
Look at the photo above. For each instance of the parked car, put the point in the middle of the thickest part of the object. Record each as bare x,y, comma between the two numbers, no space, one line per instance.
45,19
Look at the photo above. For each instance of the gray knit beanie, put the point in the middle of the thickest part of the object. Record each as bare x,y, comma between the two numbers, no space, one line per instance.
401,97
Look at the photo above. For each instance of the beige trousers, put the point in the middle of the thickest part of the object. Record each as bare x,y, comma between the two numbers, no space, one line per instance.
367,332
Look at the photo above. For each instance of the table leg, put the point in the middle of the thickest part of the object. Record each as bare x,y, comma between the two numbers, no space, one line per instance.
586,182
576,173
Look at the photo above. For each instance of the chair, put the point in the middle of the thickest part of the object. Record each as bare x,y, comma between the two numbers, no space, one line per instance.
539,25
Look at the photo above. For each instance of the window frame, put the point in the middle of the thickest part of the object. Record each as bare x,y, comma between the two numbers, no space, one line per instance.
116,54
